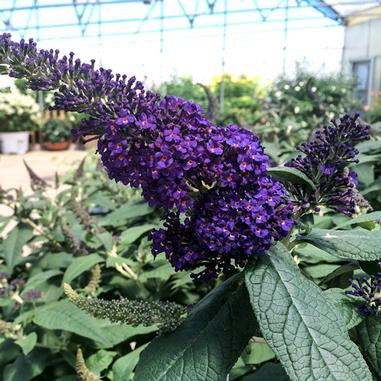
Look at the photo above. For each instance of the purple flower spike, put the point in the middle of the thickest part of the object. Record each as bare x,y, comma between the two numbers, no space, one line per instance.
367,292
221,206
326,160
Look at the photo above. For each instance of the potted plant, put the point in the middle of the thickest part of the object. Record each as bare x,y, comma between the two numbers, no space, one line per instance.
56,134
19,114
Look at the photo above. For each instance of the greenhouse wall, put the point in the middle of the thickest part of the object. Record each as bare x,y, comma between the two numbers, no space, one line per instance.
362,53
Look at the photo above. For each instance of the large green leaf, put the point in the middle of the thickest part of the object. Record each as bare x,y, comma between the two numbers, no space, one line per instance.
358,244
345,306
374,216
369,335
26,368
121,215
300,323
64,315
27,343
291,175
100,361
257,353
207,344
122,369
36,280
13,245
80,265
130,235
163,272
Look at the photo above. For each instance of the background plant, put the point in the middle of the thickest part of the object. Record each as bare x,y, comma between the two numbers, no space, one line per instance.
18,112
57,130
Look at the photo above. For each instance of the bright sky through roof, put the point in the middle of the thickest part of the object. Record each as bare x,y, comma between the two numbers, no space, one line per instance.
252,47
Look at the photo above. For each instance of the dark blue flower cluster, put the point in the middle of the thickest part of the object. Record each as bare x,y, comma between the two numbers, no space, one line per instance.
227,227
172,152
217,176
325,161
369,290
222,207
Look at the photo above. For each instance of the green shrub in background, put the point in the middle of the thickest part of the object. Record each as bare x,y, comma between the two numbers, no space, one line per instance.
372,114
241,99
57,130
184,87
295,106
18,112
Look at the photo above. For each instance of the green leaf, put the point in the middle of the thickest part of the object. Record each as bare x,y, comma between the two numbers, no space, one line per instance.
27,343
374,216
53,261
125,213
369,147
369,335
80,265
100,361
112,261
64,315
321,270
207,344
13,244
367,159
40,278
9,351
355,244
257,353
365,173
4,220
162,272
105,239
311,254
5,302
26,368
132,234
372,189
291,175
123,368
300,323
345,306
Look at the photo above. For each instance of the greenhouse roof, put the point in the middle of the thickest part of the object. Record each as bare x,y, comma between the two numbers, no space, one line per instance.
341,9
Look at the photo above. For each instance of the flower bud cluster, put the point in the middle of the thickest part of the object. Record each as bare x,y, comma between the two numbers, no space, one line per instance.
325,161
367,292
166,315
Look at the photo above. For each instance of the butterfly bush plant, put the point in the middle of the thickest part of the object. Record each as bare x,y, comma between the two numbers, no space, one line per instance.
227,213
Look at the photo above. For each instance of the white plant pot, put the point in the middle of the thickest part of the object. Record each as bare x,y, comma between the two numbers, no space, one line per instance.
14,142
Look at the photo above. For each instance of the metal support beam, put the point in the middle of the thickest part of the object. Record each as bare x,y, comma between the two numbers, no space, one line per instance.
285,37
325,9
268,11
